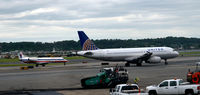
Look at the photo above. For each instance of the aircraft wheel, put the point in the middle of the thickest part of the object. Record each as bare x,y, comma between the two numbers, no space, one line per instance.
43,65
127,65
139,64
36,65
166,63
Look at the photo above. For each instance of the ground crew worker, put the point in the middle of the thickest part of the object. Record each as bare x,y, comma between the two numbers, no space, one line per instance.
136,80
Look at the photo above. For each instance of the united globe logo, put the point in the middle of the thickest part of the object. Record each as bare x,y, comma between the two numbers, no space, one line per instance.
89,45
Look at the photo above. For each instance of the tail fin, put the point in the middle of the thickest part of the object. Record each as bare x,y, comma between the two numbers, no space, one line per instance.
20,55
86,43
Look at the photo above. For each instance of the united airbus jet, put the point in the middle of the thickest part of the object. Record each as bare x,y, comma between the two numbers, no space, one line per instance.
129,55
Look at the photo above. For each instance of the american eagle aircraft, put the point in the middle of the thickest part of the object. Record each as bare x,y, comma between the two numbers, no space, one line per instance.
129,55
41,60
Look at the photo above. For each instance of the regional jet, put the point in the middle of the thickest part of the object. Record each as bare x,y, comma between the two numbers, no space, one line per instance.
41,60
129,55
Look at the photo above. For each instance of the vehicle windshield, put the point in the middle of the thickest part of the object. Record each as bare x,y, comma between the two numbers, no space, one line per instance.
180,82
129,88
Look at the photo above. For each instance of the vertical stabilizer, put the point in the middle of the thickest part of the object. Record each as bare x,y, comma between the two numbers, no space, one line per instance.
86,43
20,55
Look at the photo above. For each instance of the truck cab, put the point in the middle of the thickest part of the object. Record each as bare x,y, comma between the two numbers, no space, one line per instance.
169,86
173,87
125,89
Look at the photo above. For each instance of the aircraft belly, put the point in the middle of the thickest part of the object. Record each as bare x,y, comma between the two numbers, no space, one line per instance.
114,58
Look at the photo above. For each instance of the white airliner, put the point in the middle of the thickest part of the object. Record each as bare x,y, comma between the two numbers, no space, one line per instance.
41,60
130,55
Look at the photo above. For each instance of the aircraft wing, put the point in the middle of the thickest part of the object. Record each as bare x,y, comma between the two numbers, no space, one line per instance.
142,57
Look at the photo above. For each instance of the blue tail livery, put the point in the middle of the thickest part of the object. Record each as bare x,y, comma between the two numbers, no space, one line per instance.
86,43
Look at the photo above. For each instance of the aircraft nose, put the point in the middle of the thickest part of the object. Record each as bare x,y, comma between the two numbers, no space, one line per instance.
176,53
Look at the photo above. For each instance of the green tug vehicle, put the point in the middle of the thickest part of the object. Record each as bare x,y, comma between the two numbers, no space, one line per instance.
108,77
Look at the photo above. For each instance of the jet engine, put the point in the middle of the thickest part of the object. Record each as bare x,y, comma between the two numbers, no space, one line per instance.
154,59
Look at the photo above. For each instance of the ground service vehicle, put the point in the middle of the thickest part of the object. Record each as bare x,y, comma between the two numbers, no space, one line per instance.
174,86
126,89
108,77
194,76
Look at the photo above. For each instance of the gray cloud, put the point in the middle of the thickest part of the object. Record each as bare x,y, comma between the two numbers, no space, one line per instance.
49,20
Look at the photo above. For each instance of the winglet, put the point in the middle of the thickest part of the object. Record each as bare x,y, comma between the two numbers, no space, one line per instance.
86,43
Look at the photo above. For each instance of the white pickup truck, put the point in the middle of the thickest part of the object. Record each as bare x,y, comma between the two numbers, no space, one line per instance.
126,89
174,86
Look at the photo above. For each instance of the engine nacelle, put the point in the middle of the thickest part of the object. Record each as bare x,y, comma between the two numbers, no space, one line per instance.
154,59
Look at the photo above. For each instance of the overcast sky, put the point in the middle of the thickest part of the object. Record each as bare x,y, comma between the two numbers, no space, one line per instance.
57,20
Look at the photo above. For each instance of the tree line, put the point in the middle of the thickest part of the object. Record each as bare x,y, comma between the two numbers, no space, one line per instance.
174,42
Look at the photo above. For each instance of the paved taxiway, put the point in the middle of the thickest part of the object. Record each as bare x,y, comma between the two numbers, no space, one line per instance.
65,80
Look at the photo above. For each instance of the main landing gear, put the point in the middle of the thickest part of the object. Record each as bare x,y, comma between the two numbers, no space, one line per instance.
166,63
138,63
127,64
36,65
43,65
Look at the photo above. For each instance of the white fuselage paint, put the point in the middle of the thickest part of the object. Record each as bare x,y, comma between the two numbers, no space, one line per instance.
123,54
41,60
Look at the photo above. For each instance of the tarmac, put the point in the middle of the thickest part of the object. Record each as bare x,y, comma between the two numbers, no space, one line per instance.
65,80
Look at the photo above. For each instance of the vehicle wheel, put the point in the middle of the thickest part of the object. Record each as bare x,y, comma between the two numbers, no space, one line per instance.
189,93
43,65
152,93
